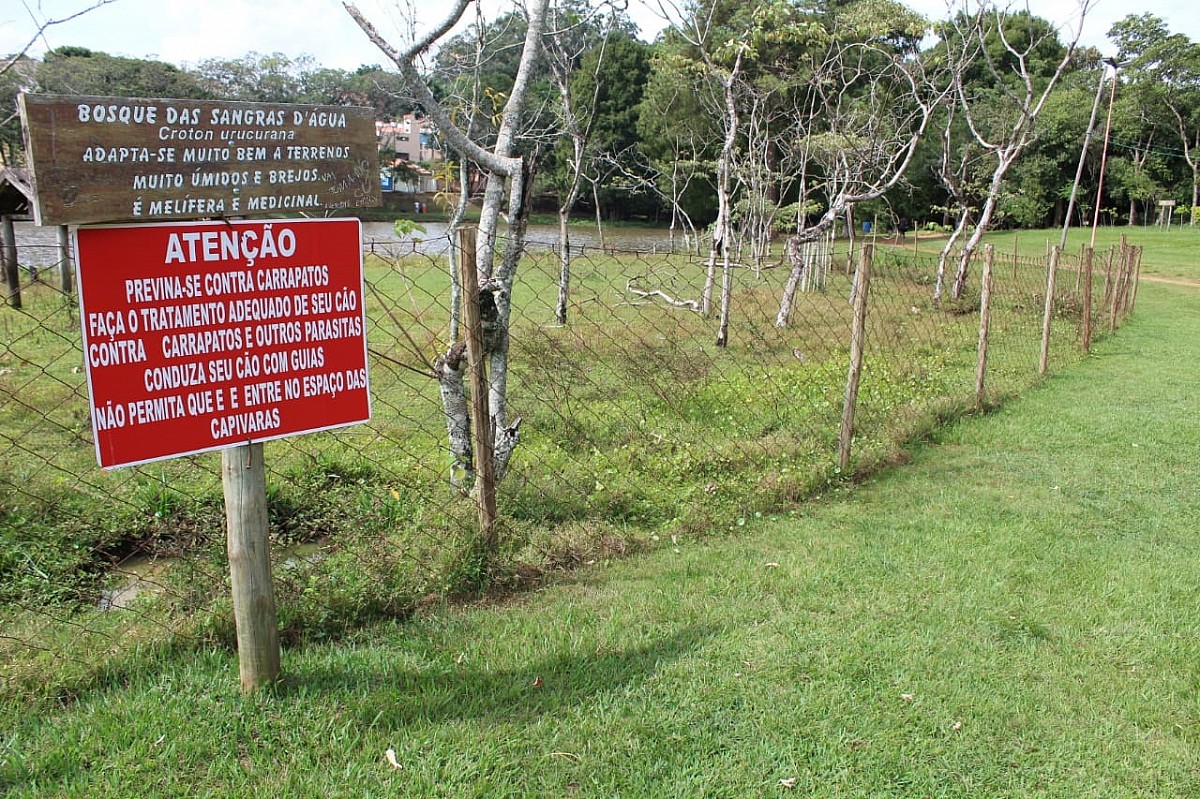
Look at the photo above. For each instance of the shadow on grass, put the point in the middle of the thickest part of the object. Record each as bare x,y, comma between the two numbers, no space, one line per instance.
396,697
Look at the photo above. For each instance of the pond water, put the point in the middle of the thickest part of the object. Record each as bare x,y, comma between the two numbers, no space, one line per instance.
38,246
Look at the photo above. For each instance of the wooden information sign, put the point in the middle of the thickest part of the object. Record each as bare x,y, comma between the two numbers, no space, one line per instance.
203,335
106,159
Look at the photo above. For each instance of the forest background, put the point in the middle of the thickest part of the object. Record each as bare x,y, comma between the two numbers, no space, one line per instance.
650,115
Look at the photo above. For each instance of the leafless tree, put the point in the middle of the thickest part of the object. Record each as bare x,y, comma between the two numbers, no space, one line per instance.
867,109
1025,95
41,25
576,116
508,182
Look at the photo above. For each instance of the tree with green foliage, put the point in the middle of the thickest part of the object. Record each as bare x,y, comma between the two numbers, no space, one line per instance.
614,77
78,70
1163,70
374,87
18,75
675,140
812,107
256,77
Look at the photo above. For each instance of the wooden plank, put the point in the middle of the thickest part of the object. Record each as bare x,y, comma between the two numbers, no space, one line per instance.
105,159
1137,277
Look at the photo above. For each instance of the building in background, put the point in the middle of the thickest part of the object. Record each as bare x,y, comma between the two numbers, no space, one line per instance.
409,146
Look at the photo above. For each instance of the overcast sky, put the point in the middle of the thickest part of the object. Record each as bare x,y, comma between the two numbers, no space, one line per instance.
190,31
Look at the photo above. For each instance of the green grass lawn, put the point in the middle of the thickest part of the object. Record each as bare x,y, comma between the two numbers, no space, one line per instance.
1168,253
1012,614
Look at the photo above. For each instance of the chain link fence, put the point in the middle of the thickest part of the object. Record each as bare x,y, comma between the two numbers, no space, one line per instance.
637,429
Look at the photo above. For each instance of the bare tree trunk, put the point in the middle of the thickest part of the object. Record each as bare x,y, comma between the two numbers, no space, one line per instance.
710,280
456,219
502,166
795,256
726,300
450,369
564,262
981,227
1195,197
981,30
960,228
599,219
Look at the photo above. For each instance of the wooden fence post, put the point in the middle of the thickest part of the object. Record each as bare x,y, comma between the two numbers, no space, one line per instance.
985,320
244,479
1108,265
1088,255
1137,277
481,418
1117,281
858,340
8,249
65,281
1048,317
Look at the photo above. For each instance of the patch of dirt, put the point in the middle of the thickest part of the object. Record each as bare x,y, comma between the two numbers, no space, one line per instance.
1173,281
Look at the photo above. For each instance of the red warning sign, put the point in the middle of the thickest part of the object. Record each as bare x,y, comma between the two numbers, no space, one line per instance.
204,335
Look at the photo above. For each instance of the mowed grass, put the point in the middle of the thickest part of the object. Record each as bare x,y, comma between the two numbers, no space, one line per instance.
1009,615
1167,253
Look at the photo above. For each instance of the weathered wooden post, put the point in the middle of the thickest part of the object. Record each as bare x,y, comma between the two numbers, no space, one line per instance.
1088,256
1108,267
858,340
1048,316
481,418
985,321
1083,249
1137,277
1114,298
244,479
8,248
65,281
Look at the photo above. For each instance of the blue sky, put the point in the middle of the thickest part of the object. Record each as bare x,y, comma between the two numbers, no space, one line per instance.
189,31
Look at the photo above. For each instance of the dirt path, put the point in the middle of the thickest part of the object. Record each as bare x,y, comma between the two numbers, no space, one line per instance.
1173,281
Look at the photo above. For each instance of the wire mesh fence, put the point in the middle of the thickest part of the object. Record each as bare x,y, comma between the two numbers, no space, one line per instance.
636,427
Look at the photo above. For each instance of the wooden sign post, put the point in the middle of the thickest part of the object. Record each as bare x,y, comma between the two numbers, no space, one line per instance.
107,159
220,334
